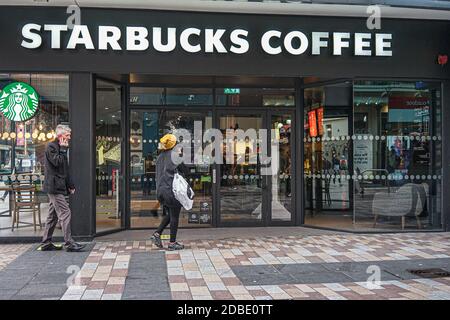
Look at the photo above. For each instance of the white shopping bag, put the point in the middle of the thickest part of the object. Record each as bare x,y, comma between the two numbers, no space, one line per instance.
182,191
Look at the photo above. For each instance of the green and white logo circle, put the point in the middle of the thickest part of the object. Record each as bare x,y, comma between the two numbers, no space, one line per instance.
19,101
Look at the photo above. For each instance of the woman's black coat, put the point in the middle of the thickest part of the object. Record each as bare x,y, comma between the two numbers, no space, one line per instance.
165,171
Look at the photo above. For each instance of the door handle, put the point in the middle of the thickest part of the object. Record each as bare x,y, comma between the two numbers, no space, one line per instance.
214,176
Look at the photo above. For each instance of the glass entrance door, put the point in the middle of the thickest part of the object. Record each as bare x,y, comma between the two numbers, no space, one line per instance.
147,126
282,181
255,182
241,184
109,174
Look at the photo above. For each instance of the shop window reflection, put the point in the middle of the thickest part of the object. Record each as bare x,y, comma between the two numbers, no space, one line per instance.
400,176
385,152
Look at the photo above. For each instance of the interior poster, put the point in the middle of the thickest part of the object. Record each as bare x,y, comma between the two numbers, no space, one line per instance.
363,155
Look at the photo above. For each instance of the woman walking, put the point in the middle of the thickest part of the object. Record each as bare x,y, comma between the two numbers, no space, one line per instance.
165,171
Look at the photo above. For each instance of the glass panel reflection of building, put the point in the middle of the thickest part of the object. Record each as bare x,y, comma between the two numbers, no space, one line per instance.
384,151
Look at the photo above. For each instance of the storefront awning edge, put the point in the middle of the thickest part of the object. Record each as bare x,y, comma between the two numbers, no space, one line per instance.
245,8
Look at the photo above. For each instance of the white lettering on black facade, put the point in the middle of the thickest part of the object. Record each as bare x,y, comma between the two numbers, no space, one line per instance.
194,40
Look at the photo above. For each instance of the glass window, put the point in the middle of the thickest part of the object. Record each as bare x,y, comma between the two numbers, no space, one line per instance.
396,154
373,155
189,96
22,144
147,96
327,124
170,96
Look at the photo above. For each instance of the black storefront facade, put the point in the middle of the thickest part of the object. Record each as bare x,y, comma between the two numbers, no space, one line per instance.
361,115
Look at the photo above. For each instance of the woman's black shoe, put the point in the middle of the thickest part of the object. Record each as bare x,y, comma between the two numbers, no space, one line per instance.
156,238
175,246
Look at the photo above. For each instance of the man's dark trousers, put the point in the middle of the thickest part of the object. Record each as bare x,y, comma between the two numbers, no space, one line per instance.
58,209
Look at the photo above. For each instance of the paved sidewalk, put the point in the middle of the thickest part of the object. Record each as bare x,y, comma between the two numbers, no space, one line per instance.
321,266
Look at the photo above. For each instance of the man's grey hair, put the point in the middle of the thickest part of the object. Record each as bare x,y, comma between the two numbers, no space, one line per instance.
62,129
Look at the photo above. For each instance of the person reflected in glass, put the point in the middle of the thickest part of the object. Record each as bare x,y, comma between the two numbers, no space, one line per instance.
336,167
149,166
287,172
5,194
342,167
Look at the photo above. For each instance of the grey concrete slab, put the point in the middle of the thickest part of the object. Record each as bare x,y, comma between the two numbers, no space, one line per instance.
329,277
51,278
149,296
347,266
16,276
143,277
7,294
334,272
40,290
363,276
147,277
257,270
146,285
12,284
39,275
34,297
143,273
268,279
301,268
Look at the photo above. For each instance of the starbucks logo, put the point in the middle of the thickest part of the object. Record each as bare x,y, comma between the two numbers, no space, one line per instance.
18,101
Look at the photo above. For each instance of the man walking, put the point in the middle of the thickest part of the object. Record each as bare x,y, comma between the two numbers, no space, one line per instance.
58,184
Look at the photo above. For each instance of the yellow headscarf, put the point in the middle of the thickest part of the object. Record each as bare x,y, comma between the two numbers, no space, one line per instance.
167,142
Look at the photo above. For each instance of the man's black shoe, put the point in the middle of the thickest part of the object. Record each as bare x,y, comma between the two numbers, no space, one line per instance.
49,246
74,247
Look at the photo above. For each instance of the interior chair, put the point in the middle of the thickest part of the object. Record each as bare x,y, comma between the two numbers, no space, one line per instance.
406,200
25,200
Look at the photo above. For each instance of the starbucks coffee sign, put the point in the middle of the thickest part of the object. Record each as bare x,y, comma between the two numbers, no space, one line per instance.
19,101
195,40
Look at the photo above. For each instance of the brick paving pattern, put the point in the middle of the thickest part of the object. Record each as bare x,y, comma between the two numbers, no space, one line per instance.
327,266
204,270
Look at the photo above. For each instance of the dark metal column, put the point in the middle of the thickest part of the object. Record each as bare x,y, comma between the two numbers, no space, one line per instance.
82,154
445,154
299,153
